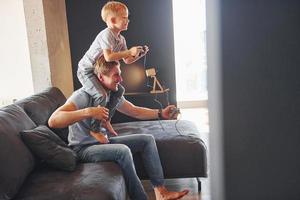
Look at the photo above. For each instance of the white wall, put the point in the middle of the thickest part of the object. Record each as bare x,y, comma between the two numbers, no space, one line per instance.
34,48
15,70
50,56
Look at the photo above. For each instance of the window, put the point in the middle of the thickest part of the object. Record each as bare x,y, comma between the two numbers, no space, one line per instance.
15,70
190,50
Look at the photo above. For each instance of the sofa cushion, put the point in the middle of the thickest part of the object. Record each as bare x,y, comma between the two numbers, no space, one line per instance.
62,133
48,147
178,144
16,161
40,106
92,181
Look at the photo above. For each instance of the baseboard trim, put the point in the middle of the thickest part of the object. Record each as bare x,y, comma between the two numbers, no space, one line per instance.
192,104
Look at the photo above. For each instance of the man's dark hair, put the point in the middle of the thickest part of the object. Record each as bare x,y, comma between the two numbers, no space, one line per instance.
103,67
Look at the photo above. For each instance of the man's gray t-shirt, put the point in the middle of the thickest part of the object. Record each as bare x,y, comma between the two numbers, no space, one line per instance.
79,132
106,39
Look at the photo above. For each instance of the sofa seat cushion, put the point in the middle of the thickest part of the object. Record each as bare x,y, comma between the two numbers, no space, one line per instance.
90,181
182,152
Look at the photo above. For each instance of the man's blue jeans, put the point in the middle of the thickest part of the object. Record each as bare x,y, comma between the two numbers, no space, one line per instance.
120,150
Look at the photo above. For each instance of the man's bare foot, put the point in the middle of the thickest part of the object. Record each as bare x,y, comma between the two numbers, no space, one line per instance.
161,193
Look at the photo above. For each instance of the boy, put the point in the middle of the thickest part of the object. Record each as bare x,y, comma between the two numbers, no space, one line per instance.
112,45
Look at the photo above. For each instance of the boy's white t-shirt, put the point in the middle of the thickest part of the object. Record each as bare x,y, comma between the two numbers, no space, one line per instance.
106,39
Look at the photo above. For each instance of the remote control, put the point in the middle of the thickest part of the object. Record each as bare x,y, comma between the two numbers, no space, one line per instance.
143,50
174,112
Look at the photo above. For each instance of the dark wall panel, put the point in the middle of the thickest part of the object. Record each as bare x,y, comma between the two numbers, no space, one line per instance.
260,91
151,23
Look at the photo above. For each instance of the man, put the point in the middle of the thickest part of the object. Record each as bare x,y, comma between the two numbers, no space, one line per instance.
90,146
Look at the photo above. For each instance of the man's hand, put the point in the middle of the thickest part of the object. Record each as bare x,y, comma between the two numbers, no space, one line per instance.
100,137
166,112
99,112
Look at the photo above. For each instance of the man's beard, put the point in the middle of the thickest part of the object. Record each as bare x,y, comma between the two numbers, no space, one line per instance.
115,89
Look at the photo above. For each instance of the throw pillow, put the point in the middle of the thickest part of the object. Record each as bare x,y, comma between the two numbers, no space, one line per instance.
62,133
48,147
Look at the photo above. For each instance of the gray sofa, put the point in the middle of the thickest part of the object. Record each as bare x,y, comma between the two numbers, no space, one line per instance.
22,176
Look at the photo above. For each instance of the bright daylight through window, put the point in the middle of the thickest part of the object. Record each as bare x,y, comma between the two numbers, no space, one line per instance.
190,50
15,69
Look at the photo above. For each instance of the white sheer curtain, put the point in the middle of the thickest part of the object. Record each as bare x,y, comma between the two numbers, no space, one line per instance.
15,70
190,50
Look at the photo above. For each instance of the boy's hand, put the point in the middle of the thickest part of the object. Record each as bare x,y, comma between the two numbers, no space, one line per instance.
144,51
135,51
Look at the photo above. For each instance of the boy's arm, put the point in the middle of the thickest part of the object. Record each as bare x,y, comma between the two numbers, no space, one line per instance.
129,56
110,56
68,114
131,59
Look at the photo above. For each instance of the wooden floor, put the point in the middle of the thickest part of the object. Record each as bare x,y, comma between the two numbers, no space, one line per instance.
200,117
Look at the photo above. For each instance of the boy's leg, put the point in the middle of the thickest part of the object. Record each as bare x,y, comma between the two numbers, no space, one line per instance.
120,154
92,86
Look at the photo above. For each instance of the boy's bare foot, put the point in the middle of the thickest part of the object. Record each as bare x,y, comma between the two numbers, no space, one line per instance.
161,193
100,137
109,127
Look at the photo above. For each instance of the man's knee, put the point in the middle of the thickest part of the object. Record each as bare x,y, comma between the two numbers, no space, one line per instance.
124,151
148,138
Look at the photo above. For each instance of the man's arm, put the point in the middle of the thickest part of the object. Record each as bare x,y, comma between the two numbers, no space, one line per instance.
68,114
143,113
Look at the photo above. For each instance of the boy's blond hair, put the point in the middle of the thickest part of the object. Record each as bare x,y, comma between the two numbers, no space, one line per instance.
112,8
103,67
